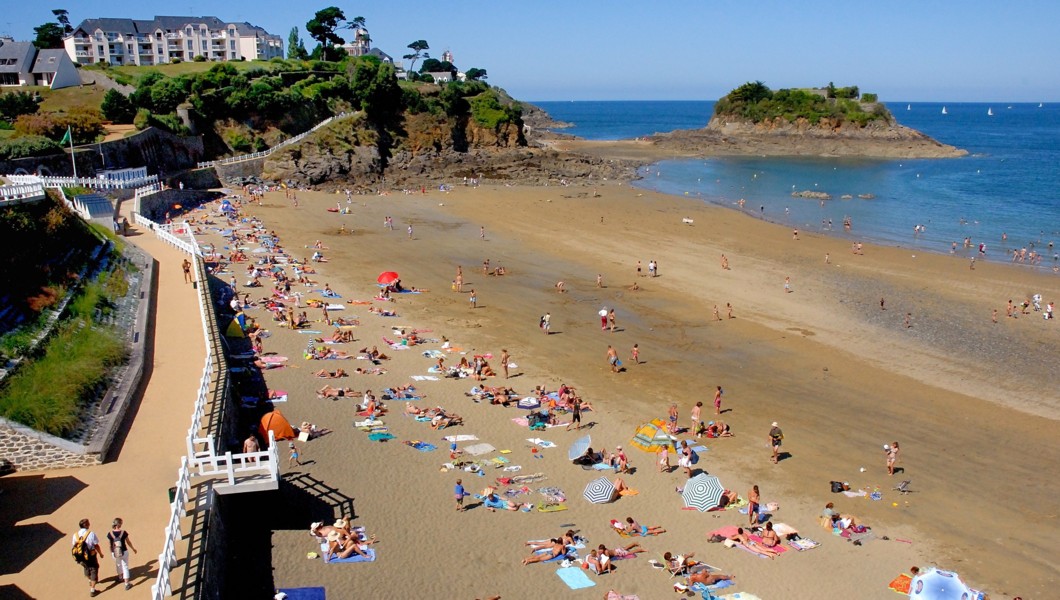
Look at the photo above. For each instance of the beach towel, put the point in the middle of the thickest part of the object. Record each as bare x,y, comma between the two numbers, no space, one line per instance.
304,593
273,360
803,544
529,403
521,421
739,596
460,438
541,442
421,446
380,437
551,506
367,423
479,449
779,548
700,588
310,331
901,584
603,467
433,354
356,558
424,378
575,578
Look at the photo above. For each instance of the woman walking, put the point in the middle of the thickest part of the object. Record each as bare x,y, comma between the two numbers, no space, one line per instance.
120,544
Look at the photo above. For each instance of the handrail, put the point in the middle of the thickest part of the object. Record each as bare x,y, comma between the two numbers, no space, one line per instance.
98,183
264,153
18,193
206,460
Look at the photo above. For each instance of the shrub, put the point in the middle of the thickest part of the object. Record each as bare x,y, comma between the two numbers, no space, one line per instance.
86,124
869,98
142,120
237,141
28,145
117,108
199,58
15,104
175,60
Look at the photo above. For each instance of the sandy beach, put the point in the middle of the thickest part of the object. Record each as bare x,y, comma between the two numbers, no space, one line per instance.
971,402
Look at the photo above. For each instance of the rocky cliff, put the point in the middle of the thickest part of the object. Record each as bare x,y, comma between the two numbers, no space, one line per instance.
779,137
433,149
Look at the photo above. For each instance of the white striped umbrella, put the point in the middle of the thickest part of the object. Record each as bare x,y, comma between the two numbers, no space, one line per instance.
600,491
702,492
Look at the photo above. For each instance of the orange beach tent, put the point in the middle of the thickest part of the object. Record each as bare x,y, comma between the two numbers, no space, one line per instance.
278,424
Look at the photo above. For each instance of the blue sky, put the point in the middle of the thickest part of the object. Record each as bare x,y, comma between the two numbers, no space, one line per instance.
927,50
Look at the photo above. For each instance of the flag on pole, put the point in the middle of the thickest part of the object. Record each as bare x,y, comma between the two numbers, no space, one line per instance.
67,138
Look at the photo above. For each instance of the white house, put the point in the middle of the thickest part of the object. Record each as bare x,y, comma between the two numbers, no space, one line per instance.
22,64
441,76
162,39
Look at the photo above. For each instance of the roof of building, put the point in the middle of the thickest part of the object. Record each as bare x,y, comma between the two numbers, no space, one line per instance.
171,24
97,206
383,56
48,60
16,57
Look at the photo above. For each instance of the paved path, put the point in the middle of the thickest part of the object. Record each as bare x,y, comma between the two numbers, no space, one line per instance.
40,511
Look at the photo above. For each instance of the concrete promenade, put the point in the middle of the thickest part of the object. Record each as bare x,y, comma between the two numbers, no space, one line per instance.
39,512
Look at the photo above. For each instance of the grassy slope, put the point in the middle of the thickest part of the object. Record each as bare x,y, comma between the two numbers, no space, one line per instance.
184,68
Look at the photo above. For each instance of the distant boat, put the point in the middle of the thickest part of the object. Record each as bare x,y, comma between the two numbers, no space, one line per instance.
989,112
909,107
944,111
1039,105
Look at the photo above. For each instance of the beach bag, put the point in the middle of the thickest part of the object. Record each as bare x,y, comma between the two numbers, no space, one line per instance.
80,550
694,457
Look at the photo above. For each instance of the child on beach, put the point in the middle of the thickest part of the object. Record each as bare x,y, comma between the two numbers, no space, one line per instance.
294,456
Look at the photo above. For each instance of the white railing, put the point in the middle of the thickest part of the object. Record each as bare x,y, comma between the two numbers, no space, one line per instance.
264,153
178,509
132,174
206,460
147,190
96,183
248,463
16,194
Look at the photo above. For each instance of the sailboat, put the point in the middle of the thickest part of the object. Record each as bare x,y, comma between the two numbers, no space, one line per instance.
1039,105
909,107
944,111
989,112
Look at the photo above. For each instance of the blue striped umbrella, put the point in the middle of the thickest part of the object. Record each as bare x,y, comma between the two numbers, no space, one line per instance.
702,492
600,491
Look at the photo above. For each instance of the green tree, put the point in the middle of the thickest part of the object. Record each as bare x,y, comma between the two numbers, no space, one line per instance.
49,35
63,17
322,29
295,46
475,74
418,51
117,108
15,104
751,93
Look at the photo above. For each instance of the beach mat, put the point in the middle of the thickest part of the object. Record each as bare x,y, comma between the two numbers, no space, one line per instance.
356,558
901,584
575,578
464,437
304,593
479,449
739,596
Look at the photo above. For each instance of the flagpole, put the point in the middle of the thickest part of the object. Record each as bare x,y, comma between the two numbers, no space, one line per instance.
73,162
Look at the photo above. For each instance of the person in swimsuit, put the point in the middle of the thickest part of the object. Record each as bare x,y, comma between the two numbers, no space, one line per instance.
673,418
769,537
634,528
329,392
753,499
717,401
741,539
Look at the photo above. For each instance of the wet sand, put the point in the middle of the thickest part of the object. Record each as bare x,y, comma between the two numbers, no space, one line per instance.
971,403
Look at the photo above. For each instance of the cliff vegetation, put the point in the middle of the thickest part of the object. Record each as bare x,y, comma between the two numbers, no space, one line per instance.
755,102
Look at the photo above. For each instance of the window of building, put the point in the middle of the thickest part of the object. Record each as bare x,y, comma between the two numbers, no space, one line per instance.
99,50
231,44
190,46
158,49
204,47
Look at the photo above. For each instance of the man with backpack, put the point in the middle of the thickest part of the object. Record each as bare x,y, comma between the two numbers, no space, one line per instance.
86,551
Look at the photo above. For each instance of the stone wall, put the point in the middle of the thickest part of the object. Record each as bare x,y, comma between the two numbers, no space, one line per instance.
246,168
25,449
160,151
156,206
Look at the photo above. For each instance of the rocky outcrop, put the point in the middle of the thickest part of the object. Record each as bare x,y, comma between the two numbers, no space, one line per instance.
830,137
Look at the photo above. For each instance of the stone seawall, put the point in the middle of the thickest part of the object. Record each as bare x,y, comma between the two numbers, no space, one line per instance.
160,151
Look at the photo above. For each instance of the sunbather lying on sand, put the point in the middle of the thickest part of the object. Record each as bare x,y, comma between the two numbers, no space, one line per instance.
341,392
634,528
374,354
621,552
443,420
324,373
556,549
728,497
741,539
708,578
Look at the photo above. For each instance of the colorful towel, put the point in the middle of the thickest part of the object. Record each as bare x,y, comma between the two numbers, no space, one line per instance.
901,584
424,378
575,578
541,442
310,331
461,438
305,593
700,588
421,446
380,437
804,544
356,558
521,421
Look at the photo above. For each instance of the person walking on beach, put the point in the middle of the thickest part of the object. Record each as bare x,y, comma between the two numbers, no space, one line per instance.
695,415
459,494
576,414
505,359
603,318
717,317
599,280
908,316
776,437
482,233
85,546
673,418
187,270
892,456
293,460
728,306
993,316
634,354
717,401
827,258
787,285
410,231
473,299
120,544
724,263
612,359
546,323
611,320
638,269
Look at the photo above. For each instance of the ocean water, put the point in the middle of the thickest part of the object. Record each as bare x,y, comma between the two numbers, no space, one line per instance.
1008,184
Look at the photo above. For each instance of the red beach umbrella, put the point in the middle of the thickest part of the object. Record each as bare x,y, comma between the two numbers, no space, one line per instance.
387,277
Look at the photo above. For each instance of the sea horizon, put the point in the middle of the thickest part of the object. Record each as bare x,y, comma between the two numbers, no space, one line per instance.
1004,188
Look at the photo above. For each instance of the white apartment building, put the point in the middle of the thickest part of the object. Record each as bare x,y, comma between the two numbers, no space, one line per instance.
159,41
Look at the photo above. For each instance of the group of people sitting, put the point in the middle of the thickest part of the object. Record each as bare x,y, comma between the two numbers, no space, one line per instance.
440,419
616,460
342,540
694,571
713,429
